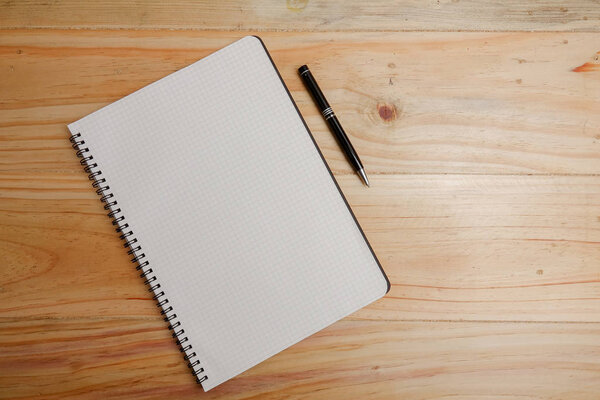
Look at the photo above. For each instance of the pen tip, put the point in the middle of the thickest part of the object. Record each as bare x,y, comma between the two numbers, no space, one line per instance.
363,175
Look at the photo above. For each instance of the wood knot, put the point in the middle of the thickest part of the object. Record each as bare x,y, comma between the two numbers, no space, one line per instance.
593,65
296,5
387,112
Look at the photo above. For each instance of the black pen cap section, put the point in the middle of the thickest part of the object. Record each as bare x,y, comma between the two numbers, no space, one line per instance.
313,88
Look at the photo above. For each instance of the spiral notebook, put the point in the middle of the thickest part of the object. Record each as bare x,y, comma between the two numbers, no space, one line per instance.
229,211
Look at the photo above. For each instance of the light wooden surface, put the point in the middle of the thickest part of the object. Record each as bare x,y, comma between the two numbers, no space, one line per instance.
308,15
483,149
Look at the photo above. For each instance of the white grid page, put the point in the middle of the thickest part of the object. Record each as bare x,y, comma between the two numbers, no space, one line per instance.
243,226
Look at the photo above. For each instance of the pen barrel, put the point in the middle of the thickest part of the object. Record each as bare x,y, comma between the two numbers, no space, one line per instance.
314,89
344,142
330,118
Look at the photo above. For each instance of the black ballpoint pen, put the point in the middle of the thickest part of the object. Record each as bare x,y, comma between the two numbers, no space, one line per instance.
332,121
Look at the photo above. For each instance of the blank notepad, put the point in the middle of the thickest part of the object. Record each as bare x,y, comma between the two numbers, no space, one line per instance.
228,209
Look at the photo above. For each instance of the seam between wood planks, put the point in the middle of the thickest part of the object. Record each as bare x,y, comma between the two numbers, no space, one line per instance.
369,320
249,30
383,173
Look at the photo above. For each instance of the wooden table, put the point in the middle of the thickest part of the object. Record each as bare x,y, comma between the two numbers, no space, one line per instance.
482,142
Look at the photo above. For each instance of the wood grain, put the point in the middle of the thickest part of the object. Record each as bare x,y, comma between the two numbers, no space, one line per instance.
476,103
136,358
514,248
483,149
307,15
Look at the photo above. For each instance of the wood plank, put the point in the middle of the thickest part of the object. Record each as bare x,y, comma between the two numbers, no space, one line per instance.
464,247
124,358
305,15
476,103
484,247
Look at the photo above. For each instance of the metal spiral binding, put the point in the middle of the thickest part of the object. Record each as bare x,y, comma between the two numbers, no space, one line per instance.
134,249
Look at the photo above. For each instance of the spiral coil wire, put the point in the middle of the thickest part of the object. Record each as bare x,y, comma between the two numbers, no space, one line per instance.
130,242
